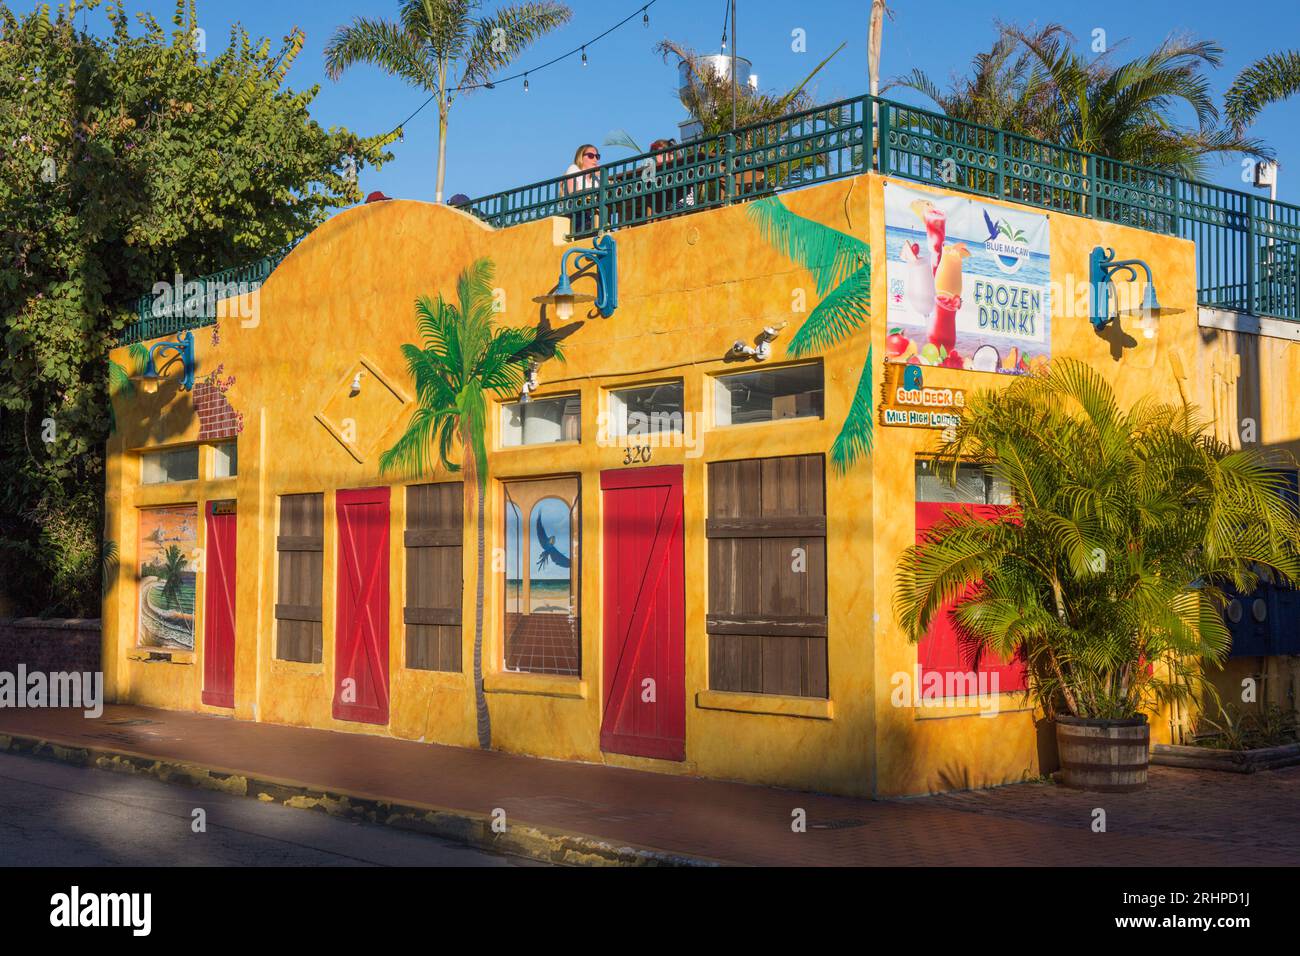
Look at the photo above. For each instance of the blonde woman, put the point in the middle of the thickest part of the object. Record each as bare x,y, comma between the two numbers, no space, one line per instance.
583,174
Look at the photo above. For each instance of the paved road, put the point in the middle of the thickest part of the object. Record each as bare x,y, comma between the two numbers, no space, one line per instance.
56,815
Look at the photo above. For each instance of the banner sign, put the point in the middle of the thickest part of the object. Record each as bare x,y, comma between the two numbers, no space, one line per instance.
906,401
968,283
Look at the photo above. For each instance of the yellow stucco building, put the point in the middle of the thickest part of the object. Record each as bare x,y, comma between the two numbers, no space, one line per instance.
710,597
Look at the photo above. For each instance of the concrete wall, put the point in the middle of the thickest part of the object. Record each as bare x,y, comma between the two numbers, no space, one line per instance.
49,645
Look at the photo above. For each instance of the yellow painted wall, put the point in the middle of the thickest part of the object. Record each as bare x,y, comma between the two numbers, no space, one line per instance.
690,286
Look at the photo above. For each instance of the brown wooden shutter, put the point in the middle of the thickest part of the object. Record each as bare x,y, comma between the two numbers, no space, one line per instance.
767,620
434,575
301,548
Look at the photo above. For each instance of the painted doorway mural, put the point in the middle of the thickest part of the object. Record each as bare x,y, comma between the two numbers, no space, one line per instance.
543,529
644,613
219,606
361,637
168,548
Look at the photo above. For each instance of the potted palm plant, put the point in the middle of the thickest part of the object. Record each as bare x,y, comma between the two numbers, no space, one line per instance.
1108,576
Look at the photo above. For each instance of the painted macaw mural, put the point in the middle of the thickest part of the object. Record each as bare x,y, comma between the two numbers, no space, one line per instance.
841,269
542,618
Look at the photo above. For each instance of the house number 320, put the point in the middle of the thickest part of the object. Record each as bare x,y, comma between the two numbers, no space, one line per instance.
635,454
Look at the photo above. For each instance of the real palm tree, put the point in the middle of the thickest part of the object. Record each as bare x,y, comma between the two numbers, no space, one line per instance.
442,47
1124,111
1127,526
464,358
1269,80
1033,82
1004,89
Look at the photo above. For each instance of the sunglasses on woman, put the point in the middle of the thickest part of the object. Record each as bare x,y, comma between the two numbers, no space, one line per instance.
591,155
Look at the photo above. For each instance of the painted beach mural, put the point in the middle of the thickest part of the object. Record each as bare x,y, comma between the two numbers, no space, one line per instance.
168,547
968,283
543,633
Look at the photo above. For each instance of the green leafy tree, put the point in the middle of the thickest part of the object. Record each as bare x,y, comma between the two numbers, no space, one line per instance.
126,159
1272,79
441,47
1109,576
463,359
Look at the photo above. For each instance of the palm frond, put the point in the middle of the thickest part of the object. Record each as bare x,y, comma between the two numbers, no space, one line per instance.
1271,79
829,254
837,316
854,441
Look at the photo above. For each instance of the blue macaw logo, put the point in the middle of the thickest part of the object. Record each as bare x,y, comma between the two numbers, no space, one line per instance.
911,377
549,551
993,227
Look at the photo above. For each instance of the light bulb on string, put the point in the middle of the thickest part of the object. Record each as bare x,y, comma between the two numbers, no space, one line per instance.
525,82
645,17
401,134
584,56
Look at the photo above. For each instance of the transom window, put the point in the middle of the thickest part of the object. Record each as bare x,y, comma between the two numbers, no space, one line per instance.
541,421
174,464
794,391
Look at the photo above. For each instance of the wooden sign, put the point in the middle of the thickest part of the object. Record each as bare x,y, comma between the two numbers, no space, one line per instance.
908,402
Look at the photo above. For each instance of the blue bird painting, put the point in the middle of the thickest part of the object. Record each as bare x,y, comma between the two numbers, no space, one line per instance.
549,551
992,226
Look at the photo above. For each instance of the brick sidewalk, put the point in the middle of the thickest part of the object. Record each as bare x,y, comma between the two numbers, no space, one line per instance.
1185,817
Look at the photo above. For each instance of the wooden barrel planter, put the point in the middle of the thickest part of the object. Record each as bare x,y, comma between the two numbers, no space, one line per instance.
1105,755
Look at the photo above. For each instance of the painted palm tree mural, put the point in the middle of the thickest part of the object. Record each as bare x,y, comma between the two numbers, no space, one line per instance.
463,358
120,381
841,268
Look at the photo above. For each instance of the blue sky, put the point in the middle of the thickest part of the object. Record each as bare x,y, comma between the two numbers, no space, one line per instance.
505,137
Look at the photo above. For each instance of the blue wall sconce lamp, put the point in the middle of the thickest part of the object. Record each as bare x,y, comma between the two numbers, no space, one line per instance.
604,256
183,349
1101,267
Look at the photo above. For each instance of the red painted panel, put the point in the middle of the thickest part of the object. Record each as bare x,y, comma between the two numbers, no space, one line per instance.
644,620
219,609
941,649
361,634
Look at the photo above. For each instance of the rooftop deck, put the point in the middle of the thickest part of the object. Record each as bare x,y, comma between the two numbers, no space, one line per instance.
1247,247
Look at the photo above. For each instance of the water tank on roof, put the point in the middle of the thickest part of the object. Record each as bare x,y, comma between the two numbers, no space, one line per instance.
720,64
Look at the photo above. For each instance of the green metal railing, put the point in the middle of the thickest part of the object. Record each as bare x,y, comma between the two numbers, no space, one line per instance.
1247,248
195,303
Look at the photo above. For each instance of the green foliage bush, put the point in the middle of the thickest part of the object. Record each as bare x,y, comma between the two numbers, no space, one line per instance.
124,160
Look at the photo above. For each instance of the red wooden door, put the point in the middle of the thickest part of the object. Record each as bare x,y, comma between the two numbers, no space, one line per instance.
361,632
942,648
219,606
644,632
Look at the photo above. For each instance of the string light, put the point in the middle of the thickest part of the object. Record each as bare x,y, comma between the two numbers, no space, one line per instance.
582,49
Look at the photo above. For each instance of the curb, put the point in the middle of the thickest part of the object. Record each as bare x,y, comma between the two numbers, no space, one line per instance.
545,844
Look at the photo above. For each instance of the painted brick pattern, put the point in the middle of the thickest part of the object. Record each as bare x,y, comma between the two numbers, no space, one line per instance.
217,418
